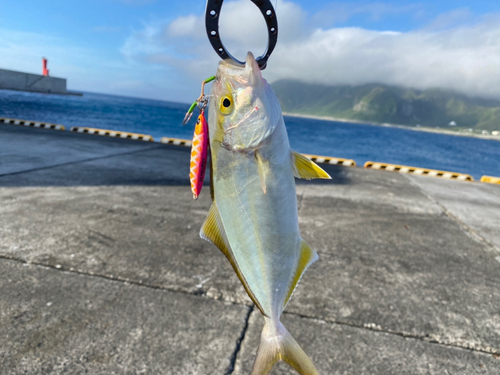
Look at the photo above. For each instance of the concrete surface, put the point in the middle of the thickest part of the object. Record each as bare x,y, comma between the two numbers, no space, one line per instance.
66,323
13,80
342,349
475,206
407,280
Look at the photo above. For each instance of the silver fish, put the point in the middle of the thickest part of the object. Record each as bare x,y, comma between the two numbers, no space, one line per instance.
253,219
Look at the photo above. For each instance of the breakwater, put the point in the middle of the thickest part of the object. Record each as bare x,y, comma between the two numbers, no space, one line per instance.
13,80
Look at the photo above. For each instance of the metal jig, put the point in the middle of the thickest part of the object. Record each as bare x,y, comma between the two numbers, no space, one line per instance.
212,25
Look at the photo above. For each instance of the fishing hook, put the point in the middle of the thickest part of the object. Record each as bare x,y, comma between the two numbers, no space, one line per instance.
212,25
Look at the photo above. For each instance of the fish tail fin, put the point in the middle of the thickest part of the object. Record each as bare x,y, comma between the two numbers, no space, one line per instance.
277,344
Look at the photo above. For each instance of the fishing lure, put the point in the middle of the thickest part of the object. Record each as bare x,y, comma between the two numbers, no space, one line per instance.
199,153
199,146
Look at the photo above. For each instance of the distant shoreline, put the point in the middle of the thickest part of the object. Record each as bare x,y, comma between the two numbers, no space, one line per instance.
386,125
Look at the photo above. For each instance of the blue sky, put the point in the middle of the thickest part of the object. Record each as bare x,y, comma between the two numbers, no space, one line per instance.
157,49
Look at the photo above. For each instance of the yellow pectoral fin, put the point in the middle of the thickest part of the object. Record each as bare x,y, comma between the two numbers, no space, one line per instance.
307,257
213,231
307,169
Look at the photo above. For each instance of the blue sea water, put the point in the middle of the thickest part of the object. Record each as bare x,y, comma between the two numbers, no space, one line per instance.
329,138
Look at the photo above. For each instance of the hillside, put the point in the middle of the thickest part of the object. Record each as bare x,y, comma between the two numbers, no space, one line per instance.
388,104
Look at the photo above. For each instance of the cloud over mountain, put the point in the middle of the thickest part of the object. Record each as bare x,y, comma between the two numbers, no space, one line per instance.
455,51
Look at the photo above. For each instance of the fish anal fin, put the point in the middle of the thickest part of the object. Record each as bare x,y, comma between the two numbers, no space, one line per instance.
213,231
307,257
305,168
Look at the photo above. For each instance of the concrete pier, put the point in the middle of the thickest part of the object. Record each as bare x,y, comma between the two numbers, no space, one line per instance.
102,269
13,80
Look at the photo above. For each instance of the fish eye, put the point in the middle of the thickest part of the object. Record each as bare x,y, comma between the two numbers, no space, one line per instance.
226,104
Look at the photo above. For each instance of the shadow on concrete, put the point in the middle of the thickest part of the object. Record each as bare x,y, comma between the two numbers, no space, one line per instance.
35,157
339,175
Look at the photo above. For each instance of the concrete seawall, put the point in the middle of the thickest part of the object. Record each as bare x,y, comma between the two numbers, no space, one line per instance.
13,80
103,270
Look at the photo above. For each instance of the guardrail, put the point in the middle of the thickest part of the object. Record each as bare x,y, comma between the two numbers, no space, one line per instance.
490,180
331,160
315,158
176,141
418,171
113,133
31,124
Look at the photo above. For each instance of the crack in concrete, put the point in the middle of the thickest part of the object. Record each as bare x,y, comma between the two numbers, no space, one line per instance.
195,292
429,338
234,356
79,161
466,228
432,339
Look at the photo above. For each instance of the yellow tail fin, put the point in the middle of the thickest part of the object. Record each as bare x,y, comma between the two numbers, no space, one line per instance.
276,344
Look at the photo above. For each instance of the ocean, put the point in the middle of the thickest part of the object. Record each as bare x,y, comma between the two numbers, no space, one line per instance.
360,142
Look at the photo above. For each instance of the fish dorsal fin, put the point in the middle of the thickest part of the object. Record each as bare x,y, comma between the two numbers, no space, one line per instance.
213,231
307,257
263,168
307,169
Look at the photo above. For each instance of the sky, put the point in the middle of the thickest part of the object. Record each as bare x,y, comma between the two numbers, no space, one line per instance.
158,49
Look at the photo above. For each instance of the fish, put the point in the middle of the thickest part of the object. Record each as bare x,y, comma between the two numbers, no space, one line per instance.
253,219
198,163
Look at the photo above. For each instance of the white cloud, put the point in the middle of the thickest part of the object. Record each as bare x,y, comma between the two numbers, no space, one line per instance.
337,12
464,58
190,26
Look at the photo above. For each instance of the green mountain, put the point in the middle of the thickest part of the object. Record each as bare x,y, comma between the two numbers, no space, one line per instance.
388,104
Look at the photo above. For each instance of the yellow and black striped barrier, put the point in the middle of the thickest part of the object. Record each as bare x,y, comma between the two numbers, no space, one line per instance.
32,124
331,160
176,141
315,158
418,171
113,133
490,180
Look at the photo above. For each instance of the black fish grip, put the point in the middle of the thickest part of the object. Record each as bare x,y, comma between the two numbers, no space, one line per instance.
212,25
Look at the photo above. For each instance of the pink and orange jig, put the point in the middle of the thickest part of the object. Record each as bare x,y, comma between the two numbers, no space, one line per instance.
199,147
199,152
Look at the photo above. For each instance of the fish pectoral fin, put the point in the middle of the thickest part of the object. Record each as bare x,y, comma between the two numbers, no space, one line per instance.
305,168
263,168
213,231
307,257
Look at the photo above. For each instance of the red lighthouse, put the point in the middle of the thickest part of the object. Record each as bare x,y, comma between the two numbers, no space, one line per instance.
45,71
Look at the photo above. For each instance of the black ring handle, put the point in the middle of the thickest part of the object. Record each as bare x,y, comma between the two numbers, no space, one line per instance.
212,25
